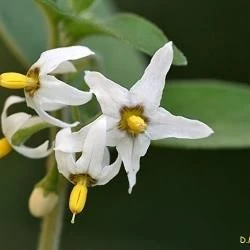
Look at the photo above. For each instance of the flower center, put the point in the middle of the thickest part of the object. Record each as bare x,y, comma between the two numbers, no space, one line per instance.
33,74
133,120
136,124
78,195
5,147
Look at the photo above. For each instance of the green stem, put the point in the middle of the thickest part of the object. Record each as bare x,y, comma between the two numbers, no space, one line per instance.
51,227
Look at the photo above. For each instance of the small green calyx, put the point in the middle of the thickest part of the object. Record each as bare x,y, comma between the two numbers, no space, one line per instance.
49,183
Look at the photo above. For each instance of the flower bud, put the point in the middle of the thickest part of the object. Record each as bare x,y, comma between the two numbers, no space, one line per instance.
41,203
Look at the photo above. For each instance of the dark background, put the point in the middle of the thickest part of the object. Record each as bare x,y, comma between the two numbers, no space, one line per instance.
214,35
184,199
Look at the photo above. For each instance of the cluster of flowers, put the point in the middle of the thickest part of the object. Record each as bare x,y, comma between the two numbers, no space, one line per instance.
130,118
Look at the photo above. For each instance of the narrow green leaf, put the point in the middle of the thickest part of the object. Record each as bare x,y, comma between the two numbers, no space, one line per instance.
132,29
224,106
81,5
53,10
23,135
142,34
103,8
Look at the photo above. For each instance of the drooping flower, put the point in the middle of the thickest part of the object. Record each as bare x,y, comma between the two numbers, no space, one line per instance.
43,91
12,123
91,168
134,116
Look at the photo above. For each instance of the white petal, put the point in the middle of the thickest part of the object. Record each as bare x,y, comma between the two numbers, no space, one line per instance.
130,150
51,59
113,133
65,163
141,144
106,157
46,104
34,104
110,95
13,123
164,125
35,153
57,91
93,149
109,172
65,67
69,142
10,124
114,136
149,88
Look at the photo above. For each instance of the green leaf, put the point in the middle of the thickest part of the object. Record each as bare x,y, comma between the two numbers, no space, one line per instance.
26,39
53,11
142,34
109,52
81,5
224,106
132,29
22,135
103,8
107,60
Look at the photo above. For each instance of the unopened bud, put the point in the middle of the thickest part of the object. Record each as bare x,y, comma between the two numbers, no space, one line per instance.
40,203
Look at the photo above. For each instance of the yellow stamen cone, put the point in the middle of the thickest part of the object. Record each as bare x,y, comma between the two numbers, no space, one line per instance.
17,81
78,197
136,124
5,147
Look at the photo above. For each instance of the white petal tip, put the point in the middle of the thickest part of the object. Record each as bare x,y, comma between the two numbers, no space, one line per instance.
75,123
68,125
204,131
89,73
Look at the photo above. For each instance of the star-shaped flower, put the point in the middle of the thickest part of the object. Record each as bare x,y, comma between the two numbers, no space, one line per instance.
43,91
91,168
12,123
134,116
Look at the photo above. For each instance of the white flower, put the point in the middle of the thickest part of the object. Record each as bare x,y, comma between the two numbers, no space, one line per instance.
43,91
12,123
92,168
134,117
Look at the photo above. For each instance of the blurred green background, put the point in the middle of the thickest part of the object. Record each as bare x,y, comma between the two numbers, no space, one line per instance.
184,199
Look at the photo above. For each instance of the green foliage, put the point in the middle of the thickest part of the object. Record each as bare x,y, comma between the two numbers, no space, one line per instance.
221,105
116,60
132,29
18,31
81,5
142,34
23,135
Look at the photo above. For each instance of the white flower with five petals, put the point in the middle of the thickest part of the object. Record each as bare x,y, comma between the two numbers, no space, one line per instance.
43,91
12,123
91,168
134,116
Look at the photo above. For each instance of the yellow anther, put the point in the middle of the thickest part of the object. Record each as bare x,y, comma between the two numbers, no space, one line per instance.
78,197
136,124
17,81
5,147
